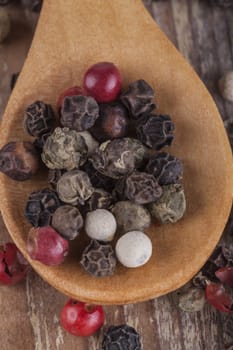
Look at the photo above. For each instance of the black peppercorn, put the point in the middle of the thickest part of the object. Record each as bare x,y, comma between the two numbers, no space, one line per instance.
40,141
155,131
99,259
139,98
97,179
54,175
221,257
100,199
39,119
122,337
112,123
40,207
141,188
166,168
19,160
67,220
118,157
79,112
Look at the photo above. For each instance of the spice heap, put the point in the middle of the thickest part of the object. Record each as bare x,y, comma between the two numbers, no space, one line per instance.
107,172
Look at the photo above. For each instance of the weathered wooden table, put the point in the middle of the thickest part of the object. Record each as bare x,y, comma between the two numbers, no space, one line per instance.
30,311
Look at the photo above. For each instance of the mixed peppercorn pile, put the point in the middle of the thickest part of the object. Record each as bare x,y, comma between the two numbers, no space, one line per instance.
106,172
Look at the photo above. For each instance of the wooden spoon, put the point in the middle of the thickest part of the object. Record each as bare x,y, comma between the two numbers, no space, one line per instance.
71,36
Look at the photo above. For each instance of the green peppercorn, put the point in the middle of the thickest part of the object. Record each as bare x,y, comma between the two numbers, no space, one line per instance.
118,157
170,207
64,149
131,216
74,187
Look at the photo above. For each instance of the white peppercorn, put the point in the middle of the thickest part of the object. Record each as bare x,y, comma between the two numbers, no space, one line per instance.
100,225
133,249
226,86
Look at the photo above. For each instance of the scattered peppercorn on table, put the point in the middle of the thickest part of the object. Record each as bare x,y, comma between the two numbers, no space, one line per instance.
35,307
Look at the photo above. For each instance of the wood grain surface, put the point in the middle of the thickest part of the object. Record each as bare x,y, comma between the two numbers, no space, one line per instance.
30,310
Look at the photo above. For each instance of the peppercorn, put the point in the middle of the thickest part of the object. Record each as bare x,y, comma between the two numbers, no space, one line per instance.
191,299
171,206
74,187
131,216
226,85
5,24
100,224
14,78
112,123
64,149
221,257
40,141
91,143
40,206
67,221
19,160
122,337
79,112
141,188
155,131
97,179
32,5
133,249
99,259
223,3
166,168
53,176
100,199
39,119
47,246
118,157
139,98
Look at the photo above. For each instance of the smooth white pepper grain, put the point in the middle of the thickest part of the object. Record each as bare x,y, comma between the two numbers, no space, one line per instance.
101,225
134,249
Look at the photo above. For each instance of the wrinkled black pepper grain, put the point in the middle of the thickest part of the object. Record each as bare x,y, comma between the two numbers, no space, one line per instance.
122,337
39,119
97,179
141,188
221,257
99,259
40,206
155,131
138,98
79,112
166,168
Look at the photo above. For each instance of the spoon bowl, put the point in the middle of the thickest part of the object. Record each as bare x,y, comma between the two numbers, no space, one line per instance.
71,36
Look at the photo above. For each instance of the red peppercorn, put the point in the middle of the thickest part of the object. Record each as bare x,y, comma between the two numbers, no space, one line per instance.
47,246
219,297
81,319
13,266
103,81
72,91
